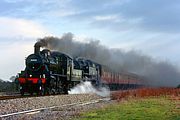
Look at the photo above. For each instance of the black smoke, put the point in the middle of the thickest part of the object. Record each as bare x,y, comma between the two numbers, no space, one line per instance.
155,73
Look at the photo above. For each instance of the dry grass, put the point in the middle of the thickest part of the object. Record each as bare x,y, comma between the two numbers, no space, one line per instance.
147,92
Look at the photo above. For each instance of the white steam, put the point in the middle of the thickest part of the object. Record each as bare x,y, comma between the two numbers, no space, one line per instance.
87,87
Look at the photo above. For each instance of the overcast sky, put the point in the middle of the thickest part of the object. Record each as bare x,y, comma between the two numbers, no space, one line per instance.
149,26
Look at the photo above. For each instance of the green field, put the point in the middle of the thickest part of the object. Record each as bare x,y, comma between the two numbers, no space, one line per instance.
137,109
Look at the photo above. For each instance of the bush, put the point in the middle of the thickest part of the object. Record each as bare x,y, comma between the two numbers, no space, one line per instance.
6,86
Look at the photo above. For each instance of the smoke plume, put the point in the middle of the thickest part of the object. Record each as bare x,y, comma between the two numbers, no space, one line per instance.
154,73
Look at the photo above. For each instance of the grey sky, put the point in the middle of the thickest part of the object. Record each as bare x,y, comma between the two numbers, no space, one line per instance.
149,26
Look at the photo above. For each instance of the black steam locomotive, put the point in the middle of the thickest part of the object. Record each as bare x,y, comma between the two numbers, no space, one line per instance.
52,72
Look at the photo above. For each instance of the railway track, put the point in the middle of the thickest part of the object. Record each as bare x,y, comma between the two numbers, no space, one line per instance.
8,97
16,96
34,111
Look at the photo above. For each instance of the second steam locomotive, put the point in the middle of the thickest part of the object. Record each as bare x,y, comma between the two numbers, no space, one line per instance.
52,72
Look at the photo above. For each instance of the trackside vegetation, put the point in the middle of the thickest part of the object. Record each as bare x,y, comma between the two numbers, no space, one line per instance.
152,108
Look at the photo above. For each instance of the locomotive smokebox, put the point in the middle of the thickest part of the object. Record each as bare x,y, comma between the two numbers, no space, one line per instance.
37,48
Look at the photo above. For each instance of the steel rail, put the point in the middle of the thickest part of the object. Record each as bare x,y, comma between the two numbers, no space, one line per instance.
9,97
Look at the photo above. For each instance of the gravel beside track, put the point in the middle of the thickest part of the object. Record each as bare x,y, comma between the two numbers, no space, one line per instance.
22,104
61,113
65,113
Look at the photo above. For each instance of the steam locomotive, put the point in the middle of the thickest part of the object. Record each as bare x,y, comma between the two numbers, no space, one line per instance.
52,72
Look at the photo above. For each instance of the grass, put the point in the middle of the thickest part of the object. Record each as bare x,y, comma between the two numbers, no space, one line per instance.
159,108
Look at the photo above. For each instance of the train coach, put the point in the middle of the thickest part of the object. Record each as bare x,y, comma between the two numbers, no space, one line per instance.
120,80
52,72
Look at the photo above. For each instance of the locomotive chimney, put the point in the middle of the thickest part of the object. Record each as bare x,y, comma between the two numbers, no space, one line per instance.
37,48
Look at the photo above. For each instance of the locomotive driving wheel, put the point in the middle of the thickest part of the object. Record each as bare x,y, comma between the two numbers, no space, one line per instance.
52,89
